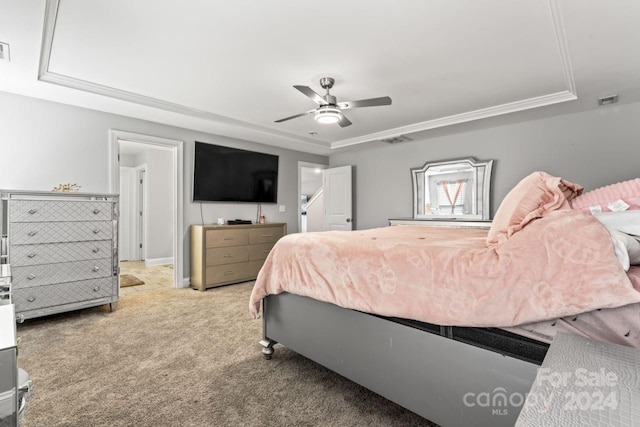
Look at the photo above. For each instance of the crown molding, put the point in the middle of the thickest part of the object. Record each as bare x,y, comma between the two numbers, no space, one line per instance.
469,116
569,94
300,143
286,140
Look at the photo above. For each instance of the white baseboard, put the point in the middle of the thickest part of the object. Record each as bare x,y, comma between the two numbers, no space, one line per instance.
158,261
186,282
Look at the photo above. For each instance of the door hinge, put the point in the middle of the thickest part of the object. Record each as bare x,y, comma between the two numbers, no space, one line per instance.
140,245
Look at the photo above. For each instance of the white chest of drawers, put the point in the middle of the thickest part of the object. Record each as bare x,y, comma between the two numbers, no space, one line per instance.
62,248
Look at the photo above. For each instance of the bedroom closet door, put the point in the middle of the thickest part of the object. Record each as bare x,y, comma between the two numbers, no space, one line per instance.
337,199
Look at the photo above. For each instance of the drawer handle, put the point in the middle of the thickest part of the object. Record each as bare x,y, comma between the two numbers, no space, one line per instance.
96,231
96,289
32,233
32,211
32,255
31,299
96,211
267,235
96,268
31,276
227,256
266,251
228,238
226,273
96,250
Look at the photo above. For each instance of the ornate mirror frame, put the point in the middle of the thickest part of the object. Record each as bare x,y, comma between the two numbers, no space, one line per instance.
457,189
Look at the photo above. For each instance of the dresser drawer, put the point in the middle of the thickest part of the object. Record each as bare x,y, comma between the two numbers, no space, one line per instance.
60,210
50,232
62,293
49,253
44,274
260,252
232,272
228,255
221,238
265,235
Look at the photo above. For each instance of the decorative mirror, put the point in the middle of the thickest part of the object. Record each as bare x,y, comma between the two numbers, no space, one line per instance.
452,189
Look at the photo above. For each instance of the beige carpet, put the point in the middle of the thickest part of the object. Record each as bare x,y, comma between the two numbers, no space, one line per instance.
179,357
129,280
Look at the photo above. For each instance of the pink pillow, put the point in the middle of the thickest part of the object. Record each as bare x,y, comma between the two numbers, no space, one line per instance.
533,197
628,191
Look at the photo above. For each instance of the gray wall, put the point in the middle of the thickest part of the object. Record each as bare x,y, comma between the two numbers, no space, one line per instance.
43,144
592,148
159,233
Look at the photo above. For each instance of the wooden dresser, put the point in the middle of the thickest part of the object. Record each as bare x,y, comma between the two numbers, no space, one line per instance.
225,254
63,250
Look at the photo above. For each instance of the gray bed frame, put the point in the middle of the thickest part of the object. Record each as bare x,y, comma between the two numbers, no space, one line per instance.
443,380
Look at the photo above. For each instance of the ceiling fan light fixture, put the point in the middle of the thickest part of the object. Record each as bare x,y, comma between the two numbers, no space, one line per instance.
328,115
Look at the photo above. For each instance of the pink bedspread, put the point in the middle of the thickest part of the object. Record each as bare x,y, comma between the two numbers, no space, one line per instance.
557,266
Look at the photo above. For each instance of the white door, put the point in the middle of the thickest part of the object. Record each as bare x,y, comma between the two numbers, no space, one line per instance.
337,199
127,221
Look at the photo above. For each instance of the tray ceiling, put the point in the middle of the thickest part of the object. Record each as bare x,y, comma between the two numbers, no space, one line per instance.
229,67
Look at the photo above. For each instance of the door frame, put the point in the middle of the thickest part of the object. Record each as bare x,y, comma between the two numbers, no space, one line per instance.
177,149
300,166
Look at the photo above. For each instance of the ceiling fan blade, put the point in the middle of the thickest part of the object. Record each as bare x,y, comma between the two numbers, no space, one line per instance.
344,122
311,94
373,102
295,116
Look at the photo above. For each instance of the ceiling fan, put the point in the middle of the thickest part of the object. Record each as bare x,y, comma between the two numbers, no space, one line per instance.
329,110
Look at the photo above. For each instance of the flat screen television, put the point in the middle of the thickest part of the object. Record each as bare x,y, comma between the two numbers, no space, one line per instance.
225,174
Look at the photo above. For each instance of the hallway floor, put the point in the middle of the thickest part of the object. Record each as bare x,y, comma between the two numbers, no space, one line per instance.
157,277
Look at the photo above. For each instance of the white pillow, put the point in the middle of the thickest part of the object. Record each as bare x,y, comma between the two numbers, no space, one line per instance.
626,221
626,247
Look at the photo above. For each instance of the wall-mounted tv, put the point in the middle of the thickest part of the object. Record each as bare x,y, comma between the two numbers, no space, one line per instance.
225,174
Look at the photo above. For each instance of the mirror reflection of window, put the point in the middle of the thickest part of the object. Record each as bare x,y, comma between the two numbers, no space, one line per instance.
449,193
452,189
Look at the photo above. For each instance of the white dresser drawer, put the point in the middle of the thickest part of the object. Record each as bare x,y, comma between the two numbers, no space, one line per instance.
49,253
22,233
60,210
44,274
62,293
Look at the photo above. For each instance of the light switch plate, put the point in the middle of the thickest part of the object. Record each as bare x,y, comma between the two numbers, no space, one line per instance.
282,208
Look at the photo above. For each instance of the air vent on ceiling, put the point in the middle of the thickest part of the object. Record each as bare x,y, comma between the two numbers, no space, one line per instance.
607,100
396,139
4,51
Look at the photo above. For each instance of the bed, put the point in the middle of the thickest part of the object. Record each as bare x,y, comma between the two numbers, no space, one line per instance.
449,323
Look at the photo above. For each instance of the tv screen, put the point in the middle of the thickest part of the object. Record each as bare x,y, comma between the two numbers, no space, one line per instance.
224,174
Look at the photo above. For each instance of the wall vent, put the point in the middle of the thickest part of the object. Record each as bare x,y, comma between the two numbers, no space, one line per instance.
396,139
4,51
607,100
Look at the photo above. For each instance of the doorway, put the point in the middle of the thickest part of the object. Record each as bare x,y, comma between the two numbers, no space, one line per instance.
170,214
310,197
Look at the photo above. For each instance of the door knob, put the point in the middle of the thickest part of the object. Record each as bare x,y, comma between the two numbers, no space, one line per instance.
348,219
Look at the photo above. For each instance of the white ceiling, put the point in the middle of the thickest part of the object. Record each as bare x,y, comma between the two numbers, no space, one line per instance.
229,67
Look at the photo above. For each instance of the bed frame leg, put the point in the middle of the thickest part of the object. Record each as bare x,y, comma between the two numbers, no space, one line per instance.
267,350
